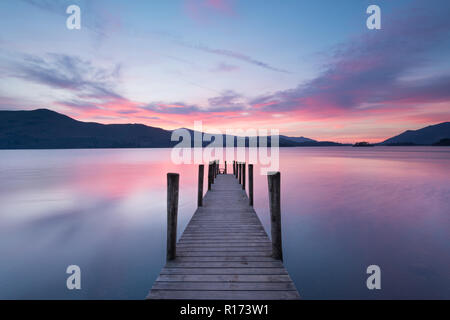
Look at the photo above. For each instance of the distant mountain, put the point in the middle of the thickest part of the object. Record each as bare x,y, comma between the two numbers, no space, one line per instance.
425,136
442,142
46,129
297,139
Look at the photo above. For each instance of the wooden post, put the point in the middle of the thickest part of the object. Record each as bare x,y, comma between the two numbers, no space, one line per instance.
234,168
173,180
201,173
273,179
239,172
209,176
250,184
225,169
213,171
243,176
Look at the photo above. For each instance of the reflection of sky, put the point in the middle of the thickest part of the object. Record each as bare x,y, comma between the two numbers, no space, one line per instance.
343,209
307,68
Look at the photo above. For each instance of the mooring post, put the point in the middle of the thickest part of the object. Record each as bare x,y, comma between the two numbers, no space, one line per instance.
243,176
217,167
209,175
239,172
201,173
240,175
213,176
234,168
273,179
225,169
173,180
250,184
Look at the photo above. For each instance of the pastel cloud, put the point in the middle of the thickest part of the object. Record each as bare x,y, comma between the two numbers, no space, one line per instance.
233,55
369,72
200,10
225,67
70,73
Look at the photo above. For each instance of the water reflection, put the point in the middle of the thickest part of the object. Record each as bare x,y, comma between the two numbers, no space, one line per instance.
343,209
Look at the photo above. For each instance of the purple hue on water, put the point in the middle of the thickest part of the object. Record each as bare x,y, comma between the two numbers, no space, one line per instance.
343,209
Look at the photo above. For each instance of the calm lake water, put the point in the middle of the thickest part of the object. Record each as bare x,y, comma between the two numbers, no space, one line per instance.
343,209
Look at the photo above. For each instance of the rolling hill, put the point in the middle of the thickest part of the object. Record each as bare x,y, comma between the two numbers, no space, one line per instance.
425,136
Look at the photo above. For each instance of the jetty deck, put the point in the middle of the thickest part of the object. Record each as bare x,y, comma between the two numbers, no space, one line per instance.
224,253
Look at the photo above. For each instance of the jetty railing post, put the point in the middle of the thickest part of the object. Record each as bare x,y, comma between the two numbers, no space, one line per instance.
173,180
250,184
243,175
201,173
216,167
273,179
209,176
239,172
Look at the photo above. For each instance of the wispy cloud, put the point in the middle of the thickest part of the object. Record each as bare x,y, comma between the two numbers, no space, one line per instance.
232,54
201,10
369,71
70,73
225,67
228,101
98,20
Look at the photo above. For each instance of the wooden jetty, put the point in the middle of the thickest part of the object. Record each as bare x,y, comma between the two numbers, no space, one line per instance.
224,252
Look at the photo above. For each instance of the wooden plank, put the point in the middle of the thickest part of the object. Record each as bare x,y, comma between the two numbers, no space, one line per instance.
220,249
226,277
228,295
224,259
235,264
224,242
203,271
223,286
224,253
181,245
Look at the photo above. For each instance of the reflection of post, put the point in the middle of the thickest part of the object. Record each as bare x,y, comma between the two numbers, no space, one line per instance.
209,176
201,173
243,175
273,179
173,180
250,184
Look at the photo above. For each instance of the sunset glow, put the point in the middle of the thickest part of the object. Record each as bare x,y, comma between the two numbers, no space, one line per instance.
232,64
